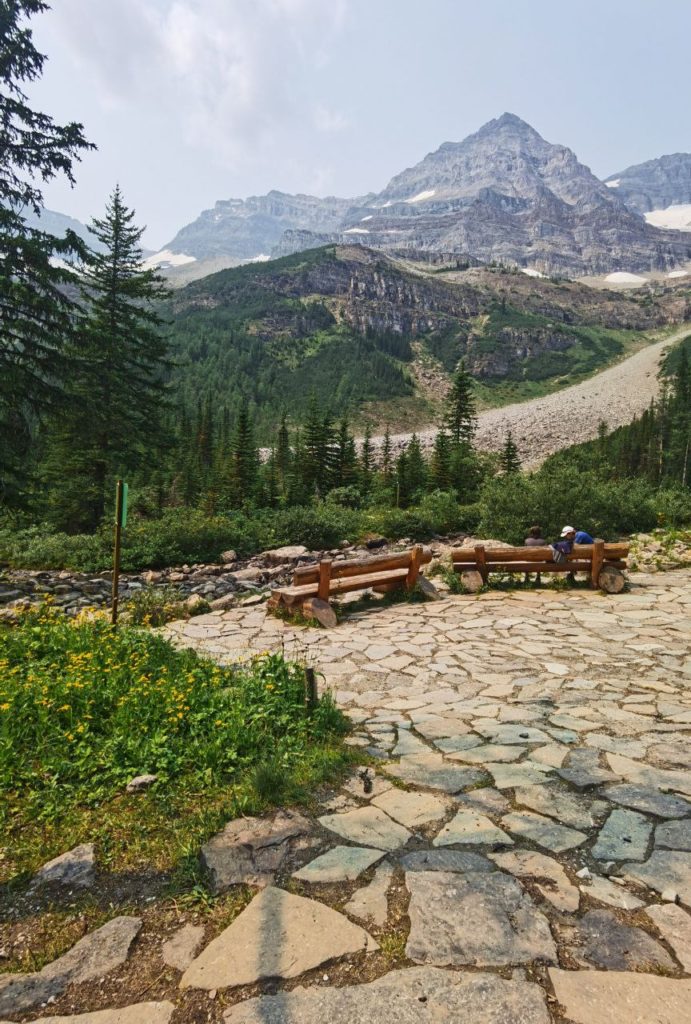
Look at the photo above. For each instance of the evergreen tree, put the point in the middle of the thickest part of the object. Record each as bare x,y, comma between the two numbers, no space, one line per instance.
441,462
244,460
460,419
36,314
346,470
284,455
117,387
386,456
509,460
416,470
366,461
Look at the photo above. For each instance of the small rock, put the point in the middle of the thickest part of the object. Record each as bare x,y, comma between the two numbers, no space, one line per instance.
229,556
221,604
669,896
583,873
75,868
180,950
291,553
140,783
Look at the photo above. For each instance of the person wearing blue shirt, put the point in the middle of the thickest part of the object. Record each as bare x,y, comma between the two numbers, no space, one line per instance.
583,538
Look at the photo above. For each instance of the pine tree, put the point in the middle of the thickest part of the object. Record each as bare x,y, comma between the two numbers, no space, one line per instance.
509,460
117,387
36,314
284,455
244,460
366,461
460,419
346,456
416,471
441,461
386,456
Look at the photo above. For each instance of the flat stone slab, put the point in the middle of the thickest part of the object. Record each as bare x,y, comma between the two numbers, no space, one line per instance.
602,940
649,801
583,769
624,836
75,868
567,808
355,786
664,869
138,1013
369,826
543,831
278,935
606,997
510,734
487,800
511,776
469,827
433,772
674,924
411,809
341,864
536,866
488,752
409,996
181,948
249,851
674,835
445,860
482,919
613,895
94,956
370,903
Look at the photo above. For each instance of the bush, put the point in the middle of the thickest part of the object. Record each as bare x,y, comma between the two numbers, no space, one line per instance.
319,526
84,708
673,508
552,498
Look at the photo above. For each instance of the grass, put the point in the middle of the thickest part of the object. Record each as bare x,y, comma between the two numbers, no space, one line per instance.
84,708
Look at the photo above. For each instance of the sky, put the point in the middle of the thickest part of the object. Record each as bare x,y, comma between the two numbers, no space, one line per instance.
191,101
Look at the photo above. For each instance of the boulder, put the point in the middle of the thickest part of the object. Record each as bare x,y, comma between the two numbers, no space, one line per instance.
74,868
229,556
292,553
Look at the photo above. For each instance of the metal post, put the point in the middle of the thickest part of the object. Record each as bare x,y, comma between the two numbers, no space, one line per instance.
116,552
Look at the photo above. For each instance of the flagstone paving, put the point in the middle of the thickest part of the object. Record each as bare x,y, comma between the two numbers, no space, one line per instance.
528,808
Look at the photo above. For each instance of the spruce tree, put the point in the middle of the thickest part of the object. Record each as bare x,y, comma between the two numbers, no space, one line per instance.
284,455
346,456
117,387
460,418
441,461
366,461
386,456
416,470
509,459
36,314
244,460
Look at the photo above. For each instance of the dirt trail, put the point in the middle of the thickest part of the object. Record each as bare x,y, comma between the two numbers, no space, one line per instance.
545,425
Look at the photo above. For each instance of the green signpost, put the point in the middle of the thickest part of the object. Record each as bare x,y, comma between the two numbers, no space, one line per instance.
121,494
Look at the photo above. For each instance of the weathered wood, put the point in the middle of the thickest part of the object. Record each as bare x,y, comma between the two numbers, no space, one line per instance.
534,567
324,584
598,561
611,580
315,608
481,561
296,594
357,566
541,554
414,568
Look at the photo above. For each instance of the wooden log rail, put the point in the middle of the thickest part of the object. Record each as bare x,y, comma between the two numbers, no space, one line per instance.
361,566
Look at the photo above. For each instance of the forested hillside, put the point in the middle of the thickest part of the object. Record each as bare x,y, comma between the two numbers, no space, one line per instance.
339,321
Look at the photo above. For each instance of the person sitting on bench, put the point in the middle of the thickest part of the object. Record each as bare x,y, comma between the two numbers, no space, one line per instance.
563,547
534,540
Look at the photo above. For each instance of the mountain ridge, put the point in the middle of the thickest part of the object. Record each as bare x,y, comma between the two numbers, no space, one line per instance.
502,194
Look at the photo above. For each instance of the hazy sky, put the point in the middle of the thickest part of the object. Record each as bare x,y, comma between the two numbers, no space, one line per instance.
190,101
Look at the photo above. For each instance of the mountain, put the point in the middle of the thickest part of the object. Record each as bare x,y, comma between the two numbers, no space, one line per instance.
659,189
380,336
58,223
504,194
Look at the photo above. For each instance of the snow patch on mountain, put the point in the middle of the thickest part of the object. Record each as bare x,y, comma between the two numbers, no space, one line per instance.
421,196
166,258
677,216
622,277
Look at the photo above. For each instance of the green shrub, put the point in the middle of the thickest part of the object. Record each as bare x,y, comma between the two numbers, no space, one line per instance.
154,606
605,508
84,708
319,526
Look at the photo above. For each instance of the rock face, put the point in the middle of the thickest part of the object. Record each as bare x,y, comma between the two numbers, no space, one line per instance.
487,197
403,997
655,184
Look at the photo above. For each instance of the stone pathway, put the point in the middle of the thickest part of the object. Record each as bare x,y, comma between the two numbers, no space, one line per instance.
525,845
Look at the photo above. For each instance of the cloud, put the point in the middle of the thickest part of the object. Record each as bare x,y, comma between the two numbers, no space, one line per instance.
233,76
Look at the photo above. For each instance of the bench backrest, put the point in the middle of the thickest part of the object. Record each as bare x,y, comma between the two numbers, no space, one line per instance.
581,553
341,567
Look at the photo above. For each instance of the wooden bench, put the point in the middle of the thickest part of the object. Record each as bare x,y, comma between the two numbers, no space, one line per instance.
603,562
329,577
